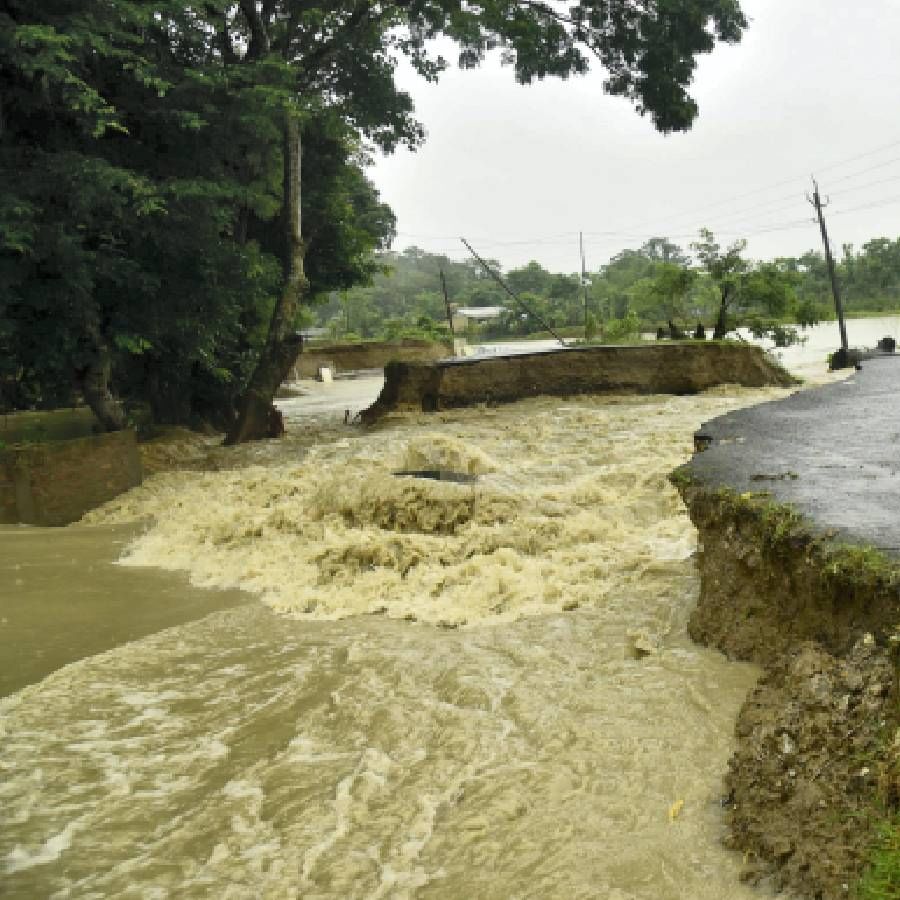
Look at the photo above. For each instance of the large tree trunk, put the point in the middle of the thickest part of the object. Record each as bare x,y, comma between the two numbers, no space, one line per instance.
93,380
257,417
722,321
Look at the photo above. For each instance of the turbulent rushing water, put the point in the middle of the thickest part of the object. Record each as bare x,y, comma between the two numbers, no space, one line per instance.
455,690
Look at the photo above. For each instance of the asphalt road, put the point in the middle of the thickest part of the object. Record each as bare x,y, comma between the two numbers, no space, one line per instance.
833,452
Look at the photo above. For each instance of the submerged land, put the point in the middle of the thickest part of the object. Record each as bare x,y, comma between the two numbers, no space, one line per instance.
444,701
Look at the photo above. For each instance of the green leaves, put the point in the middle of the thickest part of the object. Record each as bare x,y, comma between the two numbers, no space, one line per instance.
132,343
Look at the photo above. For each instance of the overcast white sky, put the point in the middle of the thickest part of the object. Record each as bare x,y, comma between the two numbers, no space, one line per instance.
812,88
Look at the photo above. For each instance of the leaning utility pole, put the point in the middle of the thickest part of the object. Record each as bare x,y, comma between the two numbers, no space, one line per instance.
816,201
447,303
520,302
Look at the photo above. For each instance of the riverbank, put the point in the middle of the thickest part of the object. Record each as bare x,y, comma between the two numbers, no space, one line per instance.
795,505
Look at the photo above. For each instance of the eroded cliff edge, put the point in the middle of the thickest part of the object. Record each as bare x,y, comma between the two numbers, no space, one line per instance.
796,506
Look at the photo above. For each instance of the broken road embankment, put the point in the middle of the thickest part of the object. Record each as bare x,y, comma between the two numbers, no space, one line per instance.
796,504
664,368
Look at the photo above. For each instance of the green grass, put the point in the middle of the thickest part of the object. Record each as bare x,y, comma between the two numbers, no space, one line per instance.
882,879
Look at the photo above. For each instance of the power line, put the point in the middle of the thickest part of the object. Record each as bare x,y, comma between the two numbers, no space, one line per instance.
782,183
733,224
747,230
861,187
865,171
890,201
766,228
727,226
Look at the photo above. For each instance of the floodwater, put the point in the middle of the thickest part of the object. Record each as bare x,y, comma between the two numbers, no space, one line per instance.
809,357
437,689
62,599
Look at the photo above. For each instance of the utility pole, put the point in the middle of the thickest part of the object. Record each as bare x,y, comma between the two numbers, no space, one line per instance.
447,303
816,201
583,283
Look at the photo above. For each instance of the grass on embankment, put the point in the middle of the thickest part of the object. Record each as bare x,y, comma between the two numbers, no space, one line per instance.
882,880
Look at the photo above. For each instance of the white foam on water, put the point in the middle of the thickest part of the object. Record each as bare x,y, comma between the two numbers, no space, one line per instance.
568,498
370,774
19,858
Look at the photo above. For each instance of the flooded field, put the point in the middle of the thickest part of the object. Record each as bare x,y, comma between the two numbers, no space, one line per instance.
450,689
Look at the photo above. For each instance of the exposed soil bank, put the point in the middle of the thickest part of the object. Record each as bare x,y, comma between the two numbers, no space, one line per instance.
769,582
685,368
366,355
797,577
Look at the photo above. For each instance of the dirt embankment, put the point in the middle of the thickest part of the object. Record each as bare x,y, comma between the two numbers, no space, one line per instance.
55,482
366,355
666,368
816,766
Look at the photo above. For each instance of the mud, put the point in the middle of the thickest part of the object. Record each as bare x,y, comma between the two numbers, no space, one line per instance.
769,581
366,355
564,739
55,482
569,508
800,786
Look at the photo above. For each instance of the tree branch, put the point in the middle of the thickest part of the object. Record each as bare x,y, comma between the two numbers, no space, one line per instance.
359,17
259,33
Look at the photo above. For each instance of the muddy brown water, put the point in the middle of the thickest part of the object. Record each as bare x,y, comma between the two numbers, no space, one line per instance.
440,689
63,599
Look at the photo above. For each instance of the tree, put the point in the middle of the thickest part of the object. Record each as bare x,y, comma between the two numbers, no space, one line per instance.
661,249
725,270
140,167
809,313
64,209
533,278
767,291
670,287
346,220
769,288
126,160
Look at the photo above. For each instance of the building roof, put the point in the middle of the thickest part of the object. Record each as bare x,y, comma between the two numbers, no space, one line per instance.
480,312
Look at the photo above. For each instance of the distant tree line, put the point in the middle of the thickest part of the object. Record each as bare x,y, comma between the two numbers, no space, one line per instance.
638,290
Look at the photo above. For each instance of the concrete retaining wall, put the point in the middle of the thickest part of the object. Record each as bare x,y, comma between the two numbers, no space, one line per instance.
644,369
366,355
56,482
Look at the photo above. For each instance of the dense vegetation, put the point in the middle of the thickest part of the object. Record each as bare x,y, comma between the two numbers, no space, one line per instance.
178,179
638,290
